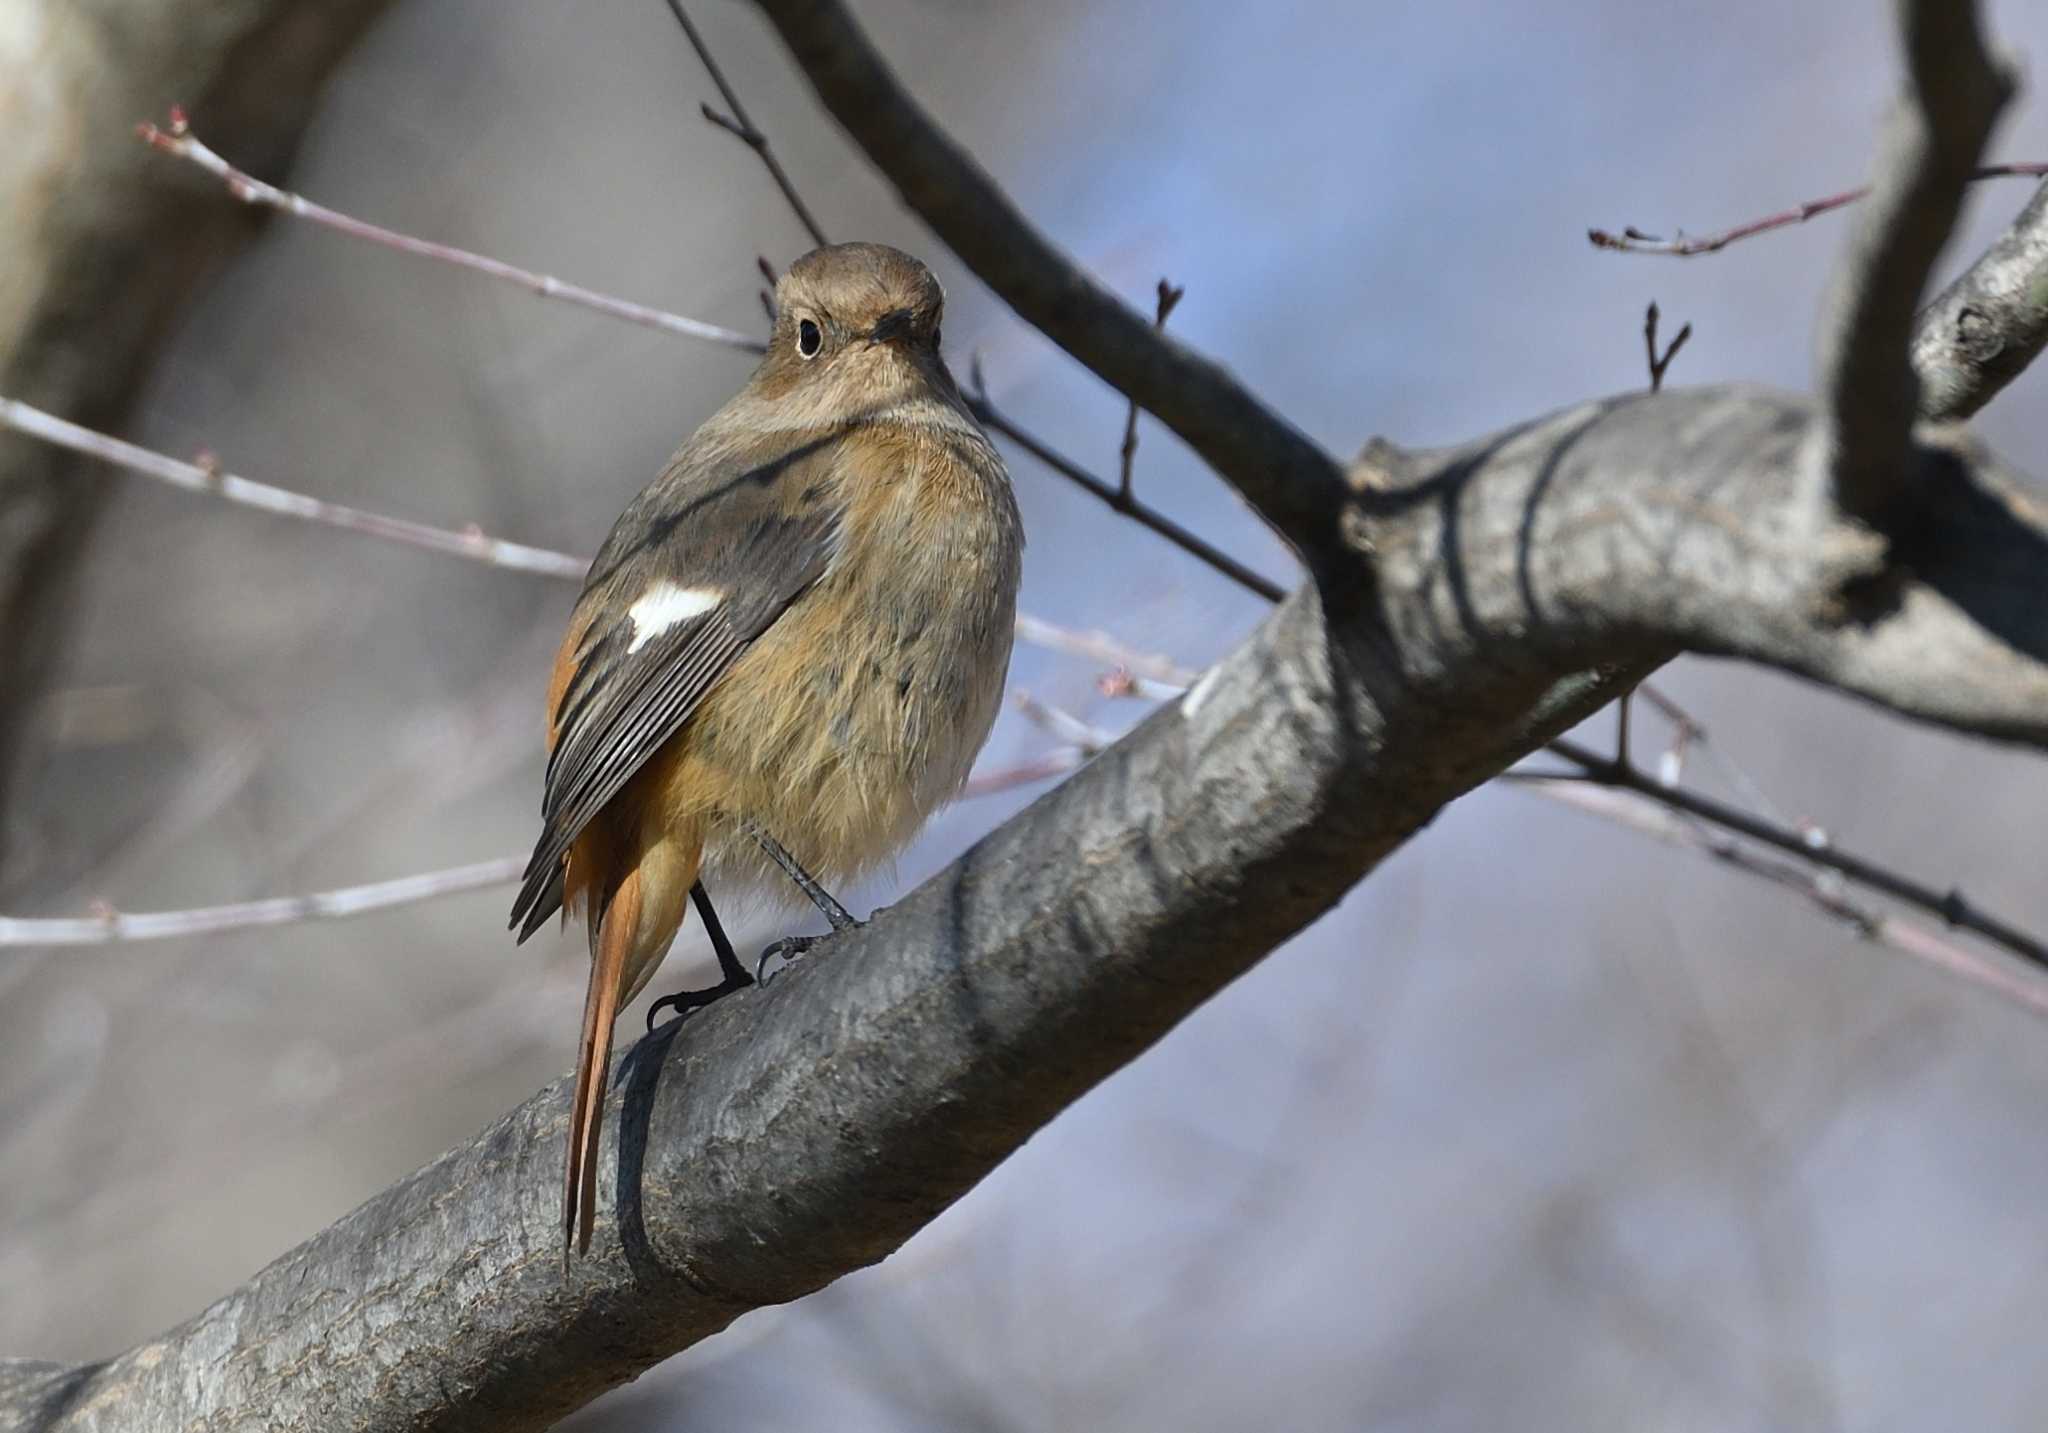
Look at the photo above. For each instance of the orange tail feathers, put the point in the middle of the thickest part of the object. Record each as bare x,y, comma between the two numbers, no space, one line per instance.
608,954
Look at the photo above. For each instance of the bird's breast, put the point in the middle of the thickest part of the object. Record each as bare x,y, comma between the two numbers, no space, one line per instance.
861,711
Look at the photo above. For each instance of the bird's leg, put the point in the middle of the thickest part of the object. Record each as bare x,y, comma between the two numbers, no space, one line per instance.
792,947
821,898
735,975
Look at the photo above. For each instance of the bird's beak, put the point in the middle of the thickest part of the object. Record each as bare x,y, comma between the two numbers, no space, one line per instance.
892,325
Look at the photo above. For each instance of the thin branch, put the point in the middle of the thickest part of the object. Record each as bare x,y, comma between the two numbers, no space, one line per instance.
107,926
179,142
1127,452
1986,327
1632,240
1931,147
1285,476
1206,552
737,123
1646,815
1063,724
205,476
1044,768
1950,906
1101,647
1659,364
1123,682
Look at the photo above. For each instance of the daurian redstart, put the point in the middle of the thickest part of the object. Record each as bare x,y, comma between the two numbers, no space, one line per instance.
790,647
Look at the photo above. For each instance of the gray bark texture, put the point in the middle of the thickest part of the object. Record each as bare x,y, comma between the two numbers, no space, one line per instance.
1465,605
103,243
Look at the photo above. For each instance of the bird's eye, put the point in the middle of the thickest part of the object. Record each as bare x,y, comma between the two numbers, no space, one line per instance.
935,339
809,339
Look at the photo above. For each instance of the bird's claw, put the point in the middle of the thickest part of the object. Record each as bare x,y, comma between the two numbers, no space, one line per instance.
789,950
684,1001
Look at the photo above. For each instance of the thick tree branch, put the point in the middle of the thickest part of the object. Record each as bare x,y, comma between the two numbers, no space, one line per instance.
100,248
1689,520
1954,93
1292,482
1986,327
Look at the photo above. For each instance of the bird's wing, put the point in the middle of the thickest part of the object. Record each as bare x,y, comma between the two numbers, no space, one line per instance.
702,563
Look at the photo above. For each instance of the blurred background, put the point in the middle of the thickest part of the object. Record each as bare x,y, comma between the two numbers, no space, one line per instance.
1545,1127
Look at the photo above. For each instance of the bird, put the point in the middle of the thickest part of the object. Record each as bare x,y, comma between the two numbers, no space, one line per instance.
785,656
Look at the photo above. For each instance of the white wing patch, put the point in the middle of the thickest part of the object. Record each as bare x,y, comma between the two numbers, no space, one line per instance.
663,605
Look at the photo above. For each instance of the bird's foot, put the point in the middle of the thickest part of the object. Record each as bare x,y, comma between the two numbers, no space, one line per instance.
790,949
684,1001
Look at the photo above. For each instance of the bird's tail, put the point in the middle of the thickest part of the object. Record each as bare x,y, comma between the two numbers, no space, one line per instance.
612,939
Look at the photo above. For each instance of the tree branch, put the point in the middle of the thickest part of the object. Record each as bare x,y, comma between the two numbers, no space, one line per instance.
1285,476
1685,520
1987,326
1954,93
1632,240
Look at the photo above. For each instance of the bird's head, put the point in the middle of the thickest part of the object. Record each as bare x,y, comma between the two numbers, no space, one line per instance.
854,325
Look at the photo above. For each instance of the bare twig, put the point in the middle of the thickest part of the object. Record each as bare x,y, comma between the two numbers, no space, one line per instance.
1810,845
736,123
1169,296
1931,146
1123,682
1101,647
205,476
111,927
1632,240
1063,724
1646,815
1206,552
1658,364
181,143
1059,762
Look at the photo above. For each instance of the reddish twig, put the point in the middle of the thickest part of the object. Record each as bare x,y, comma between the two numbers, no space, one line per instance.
1634,241
1101,647
179,142
1061,762
1089,737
